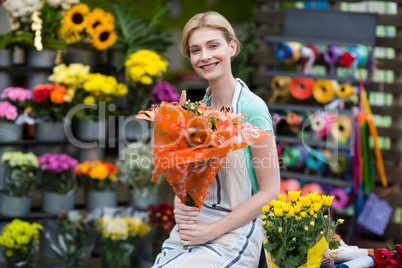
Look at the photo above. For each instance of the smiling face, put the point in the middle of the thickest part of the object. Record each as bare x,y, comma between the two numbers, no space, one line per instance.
210,53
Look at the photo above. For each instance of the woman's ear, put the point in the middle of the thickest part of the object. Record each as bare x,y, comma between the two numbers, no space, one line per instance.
233,48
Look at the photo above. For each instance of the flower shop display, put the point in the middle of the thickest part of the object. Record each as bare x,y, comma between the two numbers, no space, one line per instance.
388,257
9,131
76,234
20,243
99,180
298,232
142,69
121,237
191,140
136,170
59,184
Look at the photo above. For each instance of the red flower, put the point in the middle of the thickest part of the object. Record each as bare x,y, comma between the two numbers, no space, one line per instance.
41,92
382,255
398,248
347,59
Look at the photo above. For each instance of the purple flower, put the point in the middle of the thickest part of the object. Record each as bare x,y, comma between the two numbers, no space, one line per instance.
163,91
57,163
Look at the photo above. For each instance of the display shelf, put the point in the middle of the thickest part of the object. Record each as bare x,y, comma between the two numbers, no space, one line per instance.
315,143
318,179
342,79
305,108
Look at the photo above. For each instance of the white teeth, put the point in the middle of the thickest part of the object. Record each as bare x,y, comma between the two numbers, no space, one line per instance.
208,66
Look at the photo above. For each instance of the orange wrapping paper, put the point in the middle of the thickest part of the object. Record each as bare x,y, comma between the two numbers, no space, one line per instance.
190,153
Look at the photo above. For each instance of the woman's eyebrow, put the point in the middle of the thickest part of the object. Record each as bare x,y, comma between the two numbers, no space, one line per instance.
210,41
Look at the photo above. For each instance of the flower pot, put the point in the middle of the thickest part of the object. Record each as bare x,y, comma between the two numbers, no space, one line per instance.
142,202
92,131
49,131
98,199
134,129
54,202
26,259
11,132
81,55
14,206
37,77
44,58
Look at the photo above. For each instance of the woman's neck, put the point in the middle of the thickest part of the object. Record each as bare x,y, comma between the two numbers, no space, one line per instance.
222,93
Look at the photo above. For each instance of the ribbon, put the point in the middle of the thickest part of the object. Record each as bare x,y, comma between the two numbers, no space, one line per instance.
360,53
311,188
323,90
288,52
331,56
301,88
280,86
316,159
294,156
340,163
294,121
341,128
347,59
308,55
341,198
344,90
321,124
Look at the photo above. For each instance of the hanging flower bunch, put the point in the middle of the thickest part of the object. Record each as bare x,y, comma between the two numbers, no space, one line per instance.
80,23
8,112
19,243
17,96
70,76
97,175
57,172
120,236
50,102
293,228
21,12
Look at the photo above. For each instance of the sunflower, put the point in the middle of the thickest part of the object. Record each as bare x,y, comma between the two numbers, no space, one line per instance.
69,34
76,16
98,17
104,37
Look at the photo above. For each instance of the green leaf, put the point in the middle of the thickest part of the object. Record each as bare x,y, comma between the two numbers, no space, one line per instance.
291,262
270,246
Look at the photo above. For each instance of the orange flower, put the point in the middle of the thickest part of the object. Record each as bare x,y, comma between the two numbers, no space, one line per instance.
98,172
57,94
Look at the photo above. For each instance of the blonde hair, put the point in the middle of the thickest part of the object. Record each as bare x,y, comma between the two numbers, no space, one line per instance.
210,19
213,20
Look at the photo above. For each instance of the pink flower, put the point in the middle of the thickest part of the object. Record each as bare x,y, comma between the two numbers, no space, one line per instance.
382,255
16,94
8,111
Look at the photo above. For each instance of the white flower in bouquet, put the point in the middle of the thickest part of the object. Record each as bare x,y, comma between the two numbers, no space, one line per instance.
64,4
21,9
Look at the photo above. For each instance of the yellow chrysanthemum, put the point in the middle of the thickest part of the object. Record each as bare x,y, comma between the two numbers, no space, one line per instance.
282,197
280,230
104,37
327,200
90,100
69,34
305,201
286,207
294,196
312,223
278,212
265,209
291,213
97,18
146,80
317,206
76,16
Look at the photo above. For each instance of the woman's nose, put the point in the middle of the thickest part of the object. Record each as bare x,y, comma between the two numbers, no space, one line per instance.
205,56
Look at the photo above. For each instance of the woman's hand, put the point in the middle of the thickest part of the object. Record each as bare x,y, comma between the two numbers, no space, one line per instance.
185,214
194,234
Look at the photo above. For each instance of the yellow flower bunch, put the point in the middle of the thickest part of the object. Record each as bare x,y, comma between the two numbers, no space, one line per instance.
97,175
98,24
143,65
19,236
100,87
292,228
122,228
70,76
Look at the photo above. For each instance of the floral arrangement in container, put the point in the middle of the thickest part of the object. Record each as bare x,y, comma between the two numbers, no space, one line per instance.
49,103
136,171
8,112
161,219
71,76
142,68
120,238
11,128
97,88
76,234
164,91
20,243
58,172
82,24
388,257
21,169
17,96
298,228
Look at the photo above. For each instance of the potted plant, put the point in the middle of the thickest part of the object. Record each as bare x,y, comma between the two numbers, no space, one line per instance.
76,234
120,237
20,243
8,115
135,170
298,232
99,180
20,177
58,179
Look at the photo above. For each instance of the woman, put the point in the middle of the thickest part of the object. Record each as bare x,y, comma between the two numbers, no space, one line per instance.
226,231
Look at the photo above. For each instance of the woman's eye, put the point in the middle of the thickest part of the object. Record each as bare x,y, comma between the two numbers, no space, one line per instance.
194,51
214,46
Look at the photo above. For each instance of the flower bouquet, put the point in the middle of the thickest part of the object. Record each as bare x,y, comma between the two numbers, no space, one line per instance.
191,143
388,257
120,238
21,169
298,232
76,233
19,243
58,172
142,68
